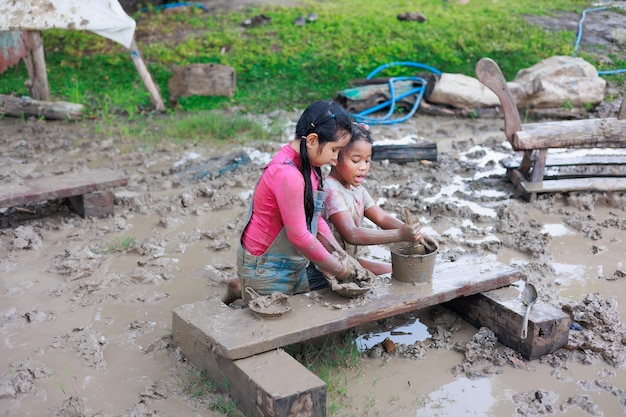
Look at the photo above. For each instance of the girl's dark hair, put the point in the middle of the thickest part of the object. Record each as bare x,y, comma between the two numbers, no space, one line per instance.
328,120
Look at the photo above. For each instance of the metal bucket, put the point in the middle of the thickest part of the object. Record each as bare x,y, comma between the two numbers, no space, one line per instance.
408,266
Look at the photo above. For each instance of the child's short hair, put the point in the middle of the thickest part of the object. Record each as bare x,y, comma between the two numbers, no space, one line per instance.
360,131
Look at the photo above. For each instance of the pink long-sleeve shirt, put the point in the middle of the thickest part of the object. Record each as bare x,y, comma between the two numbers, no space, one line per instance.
279,202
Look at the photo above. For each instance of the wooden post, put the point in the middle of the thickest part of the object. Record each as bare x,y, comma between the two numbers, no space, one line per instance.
35,61
156,99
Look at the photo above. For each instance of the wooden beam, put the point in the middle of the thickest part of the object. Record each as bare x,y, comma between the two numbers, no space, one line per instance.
587,133
27,107
35,61
155,96
575,184
502,311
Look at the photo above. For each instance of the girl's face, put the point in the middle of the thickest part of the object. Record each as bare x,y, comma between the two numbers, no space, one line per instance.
354,164
328,152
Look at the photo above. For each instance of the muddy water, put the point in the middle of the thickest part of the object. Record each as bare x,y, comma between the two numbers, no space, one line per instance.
429,387
84,318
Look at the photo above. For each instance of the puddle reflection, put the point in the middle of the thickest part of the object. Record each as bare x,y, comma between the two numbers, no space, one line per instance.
409,333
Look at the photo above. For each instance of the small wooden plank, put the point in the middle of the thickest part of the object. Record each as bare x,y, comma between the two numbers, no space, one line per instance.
567,160
423,151
238,334
586,133
59,186
575,184
502,311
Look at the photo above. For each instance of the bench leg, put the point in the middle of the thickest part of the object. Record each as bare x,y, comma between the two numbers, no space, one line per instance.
502,311
97,204
270,384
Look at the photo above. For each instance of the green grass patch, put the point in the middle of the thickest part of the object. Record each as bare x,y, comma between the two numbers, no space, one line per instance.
281,65
329,358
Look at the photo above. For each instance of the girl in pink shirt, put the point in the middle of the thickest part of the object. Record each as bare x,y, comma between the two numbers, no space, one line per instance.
285,230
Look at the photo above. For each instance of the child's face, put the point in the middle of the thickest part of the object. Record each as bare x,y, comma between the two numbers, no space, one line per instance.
328,152
354,164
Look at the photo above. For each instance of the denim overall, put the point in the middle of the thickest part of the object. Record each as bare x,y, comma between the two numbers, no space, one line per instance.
281,268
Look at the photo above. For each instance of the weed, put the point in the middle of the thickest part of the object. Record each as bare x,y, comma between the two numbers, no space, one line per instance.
226,406
123,245
197,384
328,358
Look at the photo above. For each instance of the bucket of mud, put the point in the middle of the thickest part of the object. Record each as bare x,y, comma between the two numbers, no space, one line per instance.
409,265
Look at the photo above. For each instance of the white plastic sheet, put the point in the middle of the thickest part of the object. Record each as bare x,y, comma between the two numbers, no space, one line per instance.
104,17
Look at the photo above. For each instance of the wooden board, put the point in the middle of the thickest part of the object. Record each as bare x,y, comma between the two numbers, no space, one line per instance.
59,186
237,333
502,311
575,184
566,160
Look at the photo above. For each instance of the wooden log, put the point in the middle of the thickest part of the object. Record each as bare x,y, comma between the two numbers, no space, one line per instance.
28,107
562,160
575,184
502,311
155,96
423,151
238,333
35,61
588,133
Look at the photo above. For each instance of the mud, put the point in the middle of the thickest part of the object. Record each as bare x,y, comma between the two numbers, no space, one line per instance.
86,303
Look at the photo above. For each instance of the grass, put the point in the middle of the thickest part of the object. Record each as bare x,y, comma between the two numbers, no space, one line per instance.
329,358
122,245
284,66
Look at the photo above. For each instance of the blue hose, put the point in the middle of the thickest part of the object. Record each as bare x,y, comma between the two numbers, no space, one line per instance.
580,35
418,90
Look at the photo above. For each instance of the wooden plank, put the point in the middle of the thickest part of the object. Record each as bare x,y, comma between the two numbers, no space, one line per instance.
586,133
502,311
238,334
489,73
59,186
575,184
567,160
405,153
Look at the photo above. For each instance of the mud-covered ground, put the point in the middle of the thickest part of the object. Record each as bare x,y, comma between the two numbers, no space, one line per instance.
85,304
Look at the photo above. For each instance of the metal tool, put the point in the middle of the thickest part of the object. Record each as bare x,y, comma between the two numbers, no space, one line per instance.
529,298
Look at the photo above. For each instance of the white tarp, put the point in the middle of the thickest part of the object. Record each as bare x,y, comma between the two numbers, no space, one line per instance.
104,17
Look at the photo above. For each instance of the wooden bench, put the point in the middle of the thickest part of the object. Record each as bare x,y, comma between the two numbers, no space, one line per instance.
239,350
88,191
534,139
